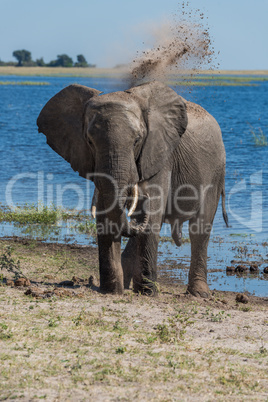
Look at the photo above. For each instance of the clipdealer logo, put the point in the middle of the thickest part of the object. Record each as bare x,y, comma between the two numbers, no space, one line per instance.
49,193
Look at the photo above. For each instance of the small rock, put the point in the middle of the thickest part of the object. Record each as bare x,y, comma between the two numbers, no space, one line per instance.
78,281
28,292
66,283
63,292
91,280
50,276
211,330
230,268
242,298
47,295
9,282
254,268
58,292
241,268
215,270
24,282
35,292
265,271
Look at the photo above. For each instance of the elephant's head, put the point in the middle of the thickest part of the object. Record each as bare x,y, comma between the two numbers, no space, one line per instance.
128,136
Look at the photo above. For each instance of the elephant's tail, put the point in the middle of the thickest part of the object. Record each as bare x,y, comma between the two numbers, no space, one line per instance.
224,213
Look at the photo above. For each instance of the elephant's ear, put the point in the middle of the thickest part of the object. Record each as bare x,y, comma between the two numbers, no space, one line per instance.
61,120
166,121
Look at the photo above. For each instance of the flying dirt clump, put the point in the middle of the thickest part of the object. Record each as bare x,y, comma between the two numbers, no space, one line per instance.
155,64
180,46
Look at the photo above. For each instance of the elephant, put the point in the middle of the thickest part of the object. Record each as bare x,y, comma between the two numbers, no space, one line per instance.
148,151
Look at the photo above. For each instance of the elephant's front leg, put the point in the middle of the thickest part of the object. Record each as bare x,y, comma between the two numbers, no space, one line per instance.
139,258
139,261
111,273
145,269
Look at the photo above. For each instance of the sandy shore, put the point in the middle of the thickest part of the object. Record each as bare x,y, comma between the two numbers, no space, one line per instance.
103,72
63,340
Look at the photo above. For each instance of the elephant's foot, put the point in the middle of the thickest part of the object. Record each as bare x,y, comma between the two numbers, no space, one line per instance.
146,287
111,291
113,287
199,289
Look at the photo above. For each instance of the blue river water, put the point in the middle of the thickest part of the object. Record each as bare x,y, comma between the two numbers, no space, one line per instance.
32,172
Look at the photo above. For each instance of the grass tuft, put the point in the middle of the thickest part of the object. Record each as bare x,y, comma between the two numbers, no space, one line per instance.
41,221
30,214
8,263
259,138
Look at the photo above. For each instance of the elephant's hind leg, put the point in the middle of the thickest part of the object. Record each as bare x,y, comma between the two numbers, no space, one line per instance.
199,230
197,282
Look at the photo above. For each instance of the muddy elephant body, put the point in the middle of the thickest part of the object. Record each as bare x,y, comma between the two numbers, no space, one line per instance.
151,152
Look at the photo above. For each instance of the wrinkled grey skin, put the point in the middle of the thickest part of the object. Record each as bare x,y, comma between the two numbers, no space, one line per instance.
151,136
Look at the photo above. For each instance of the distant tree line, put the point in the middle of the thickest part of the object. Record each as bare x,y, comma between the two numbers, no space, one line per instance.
24,58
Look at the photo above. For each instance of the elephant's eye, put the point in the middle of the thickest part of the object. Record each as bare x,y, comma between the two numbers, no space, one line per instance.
89,141
137,140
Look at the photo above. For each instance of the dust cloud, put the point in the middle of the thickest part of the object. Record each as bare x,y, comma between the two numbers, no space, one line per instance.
181,46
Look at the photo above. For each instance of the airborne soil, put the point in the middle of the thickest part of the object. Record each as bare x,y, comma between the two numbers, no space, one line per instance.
63,340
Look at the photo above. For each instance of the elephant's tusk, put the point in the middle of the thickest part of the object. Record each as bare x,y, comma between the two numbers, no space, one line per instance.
135,193
93,204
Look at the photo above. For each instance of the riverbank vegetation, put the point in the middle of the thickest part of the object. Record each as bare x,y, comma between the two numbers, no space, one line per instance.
24,58
252,75
189,79
25,83
218,80
47,223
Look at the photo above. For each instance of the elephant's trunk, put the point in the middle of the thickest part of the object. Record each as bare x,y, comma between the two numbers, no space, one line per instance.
139,225
135,197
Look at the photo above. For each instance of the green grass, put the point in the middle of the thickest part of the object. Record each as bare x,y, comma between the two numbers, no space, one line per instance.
28,214
59,71
27,83
8,263
241,234
231,78
259,138
218,80
86,227
43,222
210,84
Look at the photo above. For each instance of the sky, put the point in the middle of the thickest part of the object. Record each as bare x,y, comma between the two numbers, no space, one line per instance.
110,32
